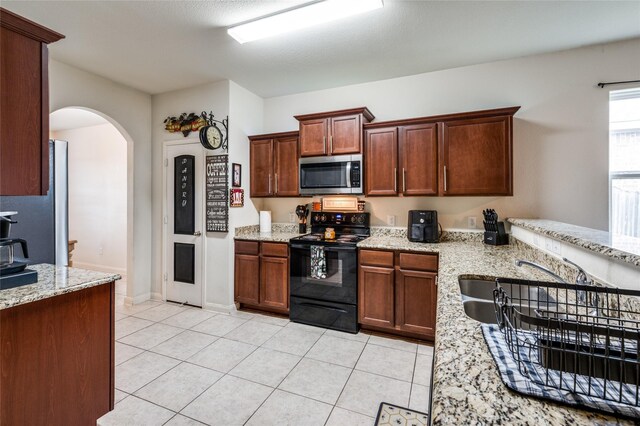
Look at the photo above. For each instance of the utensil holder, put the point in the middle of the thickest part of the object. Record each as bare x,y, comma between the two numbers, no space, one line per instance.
302,228
496,238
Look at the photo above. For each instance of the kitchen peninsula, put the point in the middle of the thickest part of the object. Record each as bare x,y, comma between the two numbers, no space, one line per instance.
57,348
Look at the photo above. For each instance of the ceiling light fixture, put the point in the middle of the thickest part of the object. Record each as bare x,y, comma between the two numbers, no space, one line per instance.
302,17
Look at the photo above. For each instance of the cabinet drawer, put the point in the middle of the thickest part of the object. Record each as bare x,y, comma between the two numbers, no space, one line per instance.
419,262
376,258
246,247
275,249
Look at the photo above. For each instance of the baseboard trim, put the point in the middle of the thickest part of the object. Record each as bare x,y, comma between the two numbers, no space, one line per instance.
137,299
216,307
100,268
157,296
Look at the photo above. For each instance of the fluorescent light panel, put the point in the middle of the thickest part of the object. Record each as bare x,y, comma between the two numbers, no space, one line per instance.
303,17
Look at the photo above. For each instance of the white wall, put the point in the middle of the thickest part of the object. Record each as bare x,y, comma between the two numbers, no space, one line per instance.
97,196
245,112
130,112
560,133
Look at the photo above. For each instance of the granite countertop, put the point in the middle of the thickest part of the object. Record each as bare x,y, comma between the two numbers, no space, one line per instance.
619,247
467,388
53,281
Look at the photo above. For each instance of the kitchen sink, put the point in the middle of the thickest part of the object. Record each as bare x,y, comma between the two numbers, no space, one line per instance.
483,289
477,299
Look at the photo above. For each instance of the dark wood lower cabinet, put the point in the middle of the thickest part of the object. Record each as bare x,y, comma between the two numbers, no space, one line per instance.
416,298
261,278
57,359
394,299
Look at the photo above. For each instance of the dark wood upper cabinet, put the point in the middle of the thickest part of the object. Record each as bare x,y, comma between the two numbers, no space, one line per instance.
261,167
466,153
274,165
314,134
332,133
381,161
24,102
286,166
418,159
476,156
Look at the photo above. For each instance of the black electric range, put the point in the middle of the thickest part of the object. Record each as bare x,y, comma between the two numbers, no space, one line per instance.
324,272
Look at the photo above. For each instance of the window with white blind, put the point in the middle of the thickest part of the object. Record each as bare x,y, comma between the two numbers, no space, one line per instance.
624,162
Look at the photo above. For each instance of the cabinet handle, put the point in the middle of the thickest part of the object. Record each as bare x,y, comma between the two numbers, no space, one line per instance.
395,179
445,178
324,144
269,192
404,180
276,183
436,281
331,144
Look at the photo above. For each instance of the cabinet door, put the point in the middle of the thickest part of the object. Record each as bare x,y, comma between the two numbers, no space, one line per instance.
375,296
24,129
476,156
247,279
286,167
416,298
381,161
418,153
345,136
313,137
261,159
274,282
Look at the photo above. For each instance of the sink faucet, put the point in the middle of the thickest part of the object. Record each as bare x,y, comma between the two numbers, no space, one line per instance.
583,279
521,262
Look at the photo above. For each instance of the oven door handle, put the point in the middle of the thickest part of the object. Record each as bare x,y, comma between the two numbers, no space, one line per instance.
305,247
314,305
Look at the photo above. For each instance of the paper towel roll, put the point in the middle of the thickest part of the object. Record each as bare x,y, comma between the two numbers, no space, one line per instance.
265,222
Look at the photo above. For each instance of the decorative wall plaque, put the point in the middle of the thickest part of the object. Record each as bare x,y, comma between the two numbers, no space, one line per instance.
217,202
236,197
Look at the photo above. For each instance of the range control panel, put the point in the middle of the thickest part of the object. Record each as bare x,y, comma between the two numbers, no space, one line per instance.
332,218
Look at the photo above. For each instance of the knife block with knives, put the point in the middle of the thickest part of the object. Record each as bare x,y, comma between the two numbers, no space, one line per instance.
494,233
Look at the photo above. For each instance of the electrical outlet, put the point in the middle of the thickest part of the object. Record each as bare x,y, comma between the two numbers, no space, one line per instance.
471,222
292,217
391,220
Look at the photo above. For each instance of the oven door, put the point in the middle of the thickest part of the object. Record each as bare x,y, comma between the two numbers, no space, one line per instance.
341,284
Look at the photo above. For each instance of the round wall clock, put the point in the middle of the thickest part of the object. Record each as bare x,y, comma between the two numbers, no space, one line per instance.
211,137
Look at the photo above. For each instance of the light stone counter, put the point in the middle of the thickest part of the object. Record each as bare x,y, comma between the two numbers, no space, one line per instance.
53,281
619,247
467,389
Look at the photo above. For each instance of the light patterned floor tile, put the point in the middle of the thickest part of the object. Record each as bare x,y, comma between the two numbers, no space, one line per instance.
222,355
179,386
281,321
317,380
425,349
188,318
399,344
219,325
130,325
422,373
419,398
134,309
151,336
180,420
283,408
360,337
336,351
230,401
126,352
184,345
266,366
364,392
253,332
133,374
135,411
387,362
160,312
341,417
292,340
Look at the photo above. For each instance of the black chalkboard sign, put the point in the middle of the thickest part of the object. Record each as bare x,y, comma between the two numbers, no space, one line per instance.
183,206
217,202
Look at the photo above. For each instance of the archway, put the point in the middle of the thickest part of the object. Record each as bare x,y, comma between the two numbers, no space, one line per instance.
107,230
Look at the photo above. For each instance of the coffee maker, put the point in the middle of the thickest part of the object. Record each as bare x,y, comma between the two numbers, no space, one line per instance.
13,272
423,226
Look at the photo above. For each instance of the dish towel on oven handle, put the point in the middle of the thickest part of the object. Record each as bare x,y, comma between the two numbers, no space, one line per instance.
318,263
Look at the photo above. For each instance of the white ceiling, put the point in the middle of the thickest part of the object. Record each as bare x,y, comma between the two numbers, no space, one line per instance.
158,46
73,118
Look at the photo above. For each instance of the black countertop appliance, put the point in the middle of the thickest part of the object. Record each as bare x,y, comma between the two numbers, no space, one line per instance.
423,226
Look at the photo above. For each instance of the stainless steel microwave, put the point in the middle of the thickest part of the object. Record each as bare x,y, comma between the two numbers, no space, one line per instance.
338,174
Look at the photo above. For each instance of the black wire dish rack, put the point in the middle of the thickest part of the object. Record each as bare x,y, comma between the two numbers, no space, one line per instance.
582,341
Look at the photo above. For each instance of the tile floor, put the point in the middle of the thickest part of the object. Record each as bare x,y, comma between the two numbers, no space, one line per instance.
185,366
